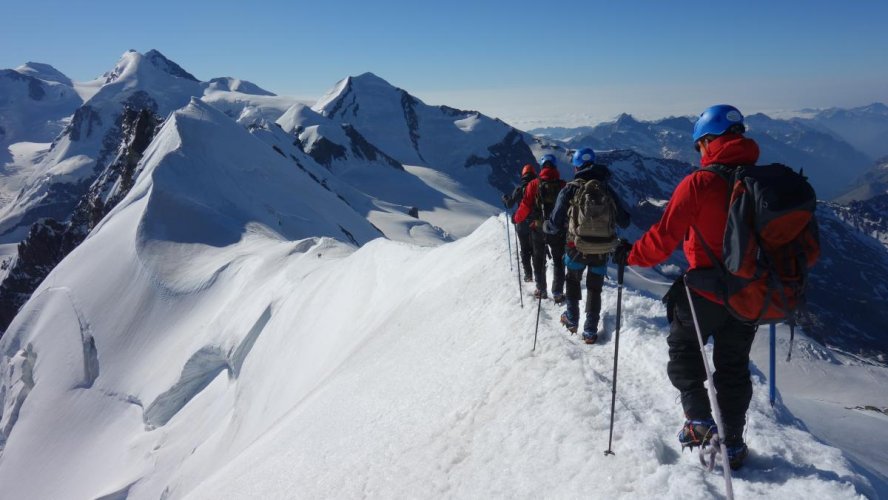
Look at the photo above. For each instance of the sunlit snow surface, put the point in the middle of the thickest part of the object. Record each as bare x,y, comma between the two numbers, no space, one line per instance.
268,368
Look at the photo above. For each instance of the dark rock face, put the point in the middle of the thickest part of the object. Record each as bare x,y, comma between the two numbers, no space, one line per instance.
869,216
325,151
49,240
35,86
363,149
505,160
35,90
346,93
82,123
408,103
38,254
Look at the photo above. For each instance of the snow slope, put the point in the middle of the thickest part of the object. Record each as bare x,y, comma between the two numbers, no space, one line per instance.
158,361
49,184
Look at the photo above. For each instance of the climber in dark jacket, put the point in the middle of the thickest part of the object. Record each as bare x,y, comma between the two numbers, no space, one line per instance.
523,229
577,262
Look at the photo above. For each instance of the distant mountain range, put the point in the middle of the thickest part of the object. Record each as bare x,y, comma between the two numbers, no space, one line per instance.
835,147
412,172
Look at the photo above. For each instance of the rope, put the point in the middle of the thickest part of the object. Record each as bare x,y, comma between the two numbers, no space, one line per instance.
654,282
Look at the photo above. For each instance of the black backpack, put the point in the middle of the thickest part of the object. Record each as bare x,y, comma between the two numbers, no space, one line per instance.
547,194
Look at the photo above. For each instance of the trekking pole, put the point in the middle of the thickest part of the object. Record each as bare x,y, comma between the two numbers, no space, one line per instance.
610,438
713,397
772,381
518,265
537,329
508,238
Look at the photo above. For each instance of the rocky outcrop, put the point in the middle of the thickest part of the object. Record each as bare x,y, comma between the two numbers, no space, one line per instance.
49,240
504,156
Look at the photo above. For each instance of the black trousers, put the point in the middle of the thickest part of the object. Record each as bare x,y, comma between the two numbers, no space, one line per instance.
555,243
523,231
594,285
732,341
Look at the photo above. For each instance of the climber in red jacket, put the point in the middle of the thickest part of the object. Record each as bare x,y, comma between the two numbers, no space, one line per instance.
701,201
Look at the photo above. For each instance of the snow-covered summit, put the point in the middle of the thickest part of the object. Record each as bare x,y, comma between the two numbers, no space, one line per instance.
236,185
32,109
230,84
483,153
44,72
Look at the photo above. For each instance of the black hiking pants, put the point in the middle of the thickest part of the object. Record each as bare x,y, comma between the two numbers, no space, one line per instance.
594,285
732,341
523,231
555,243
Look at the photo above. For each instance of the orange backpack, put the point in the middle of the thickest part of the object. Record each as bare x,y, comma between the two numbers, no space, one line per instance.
770,242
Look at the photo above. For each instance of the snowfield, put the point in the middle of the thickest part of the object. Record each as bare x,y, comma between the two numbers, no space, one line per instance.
268,368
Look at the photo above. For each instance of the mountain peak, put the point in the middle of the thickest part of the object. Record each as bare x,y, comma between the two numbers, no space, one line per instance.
875,108
44,72
162,63
626,119
365,84
237,85
371,81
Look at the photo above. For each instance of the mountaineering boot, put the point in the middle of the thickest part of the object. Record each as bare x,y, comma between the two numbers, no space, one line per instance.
528,278
558,297
540,294
737,449
568,322
571,316
590,337
696,432
591,325
737,455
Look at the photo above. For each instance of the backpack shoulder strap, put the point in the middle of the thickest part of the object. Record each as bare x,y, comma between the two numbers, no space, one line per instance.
726,173
722,171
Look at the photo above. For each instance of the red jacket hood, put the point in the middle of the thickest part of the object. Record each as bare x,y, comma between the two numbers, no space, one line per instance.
731,149
549,173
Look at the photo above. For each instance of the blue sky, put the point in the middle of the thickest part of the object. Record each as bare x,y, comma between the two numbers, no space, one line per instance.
530,63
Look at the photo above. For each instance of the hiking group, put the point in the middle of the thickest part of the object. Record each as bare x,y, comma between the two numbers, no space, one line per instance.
747,232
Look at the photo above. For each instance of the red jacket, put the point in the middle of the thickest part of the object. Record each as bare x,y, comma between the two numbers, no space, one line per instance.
701,200
529,201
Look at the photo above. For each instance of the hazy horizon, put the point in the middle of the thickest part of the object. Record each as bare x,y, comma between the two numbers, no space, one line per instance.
567,64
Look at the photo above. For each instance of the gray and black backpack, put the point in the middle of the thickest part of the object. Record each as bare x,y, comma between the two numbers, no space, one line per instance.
547,194
592,218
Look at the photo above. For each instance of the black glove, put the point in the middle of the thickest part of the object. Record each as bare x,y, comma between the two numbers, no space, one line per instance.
621,252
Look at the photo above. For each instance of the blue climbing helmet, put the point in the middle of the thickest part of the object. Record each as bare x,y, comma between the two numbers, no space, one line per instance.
717,120
583,156
548,159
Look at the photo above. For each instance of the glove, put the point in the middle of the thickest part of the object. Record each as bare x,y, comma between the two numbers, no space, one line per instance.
549,228
533,225
621,252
